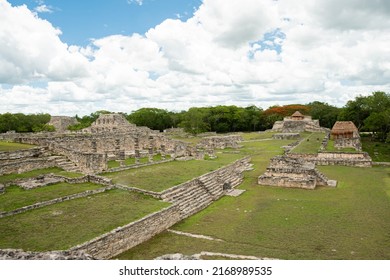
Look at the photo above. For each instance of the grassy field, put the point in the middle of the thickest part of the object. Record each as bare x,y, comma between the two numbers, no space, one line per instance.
10,146
378,151
248,136
16,197
163,176
37,172
351,221
69,223
310,145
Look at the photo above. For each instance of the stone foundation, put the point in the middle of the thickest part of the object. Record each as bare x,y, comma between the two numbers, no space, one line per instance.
220,142
361,159
289,172
286,136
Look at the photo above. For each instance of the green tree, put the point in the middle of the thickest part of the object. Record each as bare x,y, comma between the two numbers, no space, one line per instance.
325,113
194,121
154,118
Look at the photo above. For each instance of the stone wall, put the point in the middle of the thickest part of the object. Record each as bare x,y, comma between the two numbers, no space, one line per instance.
16,254
55,201
61,123
285,171
131,235
361,159
220,142
284,136
25,165
348,143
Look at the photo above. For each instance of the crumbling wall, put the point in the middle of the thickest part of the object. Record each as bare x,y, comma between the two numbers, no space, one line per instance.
124,238
220,142
24,160
360,159
285,171
348,143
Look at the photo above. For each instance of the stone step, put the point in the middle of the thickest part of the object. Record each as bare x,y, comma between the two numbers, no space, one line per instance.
176,194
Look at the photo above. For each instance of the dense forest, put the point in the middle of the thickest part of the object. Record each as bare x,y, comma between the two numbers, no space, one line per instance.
369,113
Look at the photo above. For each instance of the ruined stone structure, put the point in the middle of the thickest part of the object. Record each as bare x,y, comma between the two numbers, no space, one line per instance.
286,136
187,199
346,135
220,142
289,172
298,123
110,123
61,123
361,159
110,137
15,254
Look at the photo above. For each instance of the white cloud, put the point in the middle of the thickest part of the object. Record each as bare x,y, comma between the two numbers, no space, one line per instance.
230,52
43,8
138,2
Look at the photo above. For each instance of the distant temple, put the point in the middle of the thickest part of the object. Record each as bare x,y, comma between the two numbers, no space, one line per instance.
110,123
296,123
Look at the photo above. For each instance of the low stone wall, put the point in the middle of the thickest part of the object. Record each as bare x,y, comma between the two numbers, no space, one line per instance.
21,166
22,154
124,238
361,159
220,142
133,234
54,201
16,254
284,136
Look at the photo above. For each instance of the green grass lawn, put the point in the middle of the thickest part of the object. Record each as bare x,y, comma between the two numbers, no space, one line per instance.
16,197
310,145
73,222
37,172
11,146
351,221
163,176
378,151
248,136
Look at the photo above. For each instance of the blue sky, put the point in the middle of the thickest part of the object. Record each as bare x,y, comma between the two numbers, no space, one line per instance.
122,55
81,20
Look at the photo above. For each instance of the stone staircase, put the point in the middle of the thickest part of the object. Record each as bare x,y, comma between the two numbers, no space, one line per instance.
197,194
65,164
189,198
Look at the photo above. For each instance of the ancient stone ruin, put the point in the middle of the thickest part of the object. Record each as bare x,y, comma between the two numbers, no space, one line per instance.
346,135
298,123
284,171
110,137
220,142
61,123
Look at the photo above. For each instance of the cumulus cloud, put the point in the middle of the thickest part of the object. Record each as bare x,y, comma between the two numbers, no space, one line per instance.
31,48
230,52
43,8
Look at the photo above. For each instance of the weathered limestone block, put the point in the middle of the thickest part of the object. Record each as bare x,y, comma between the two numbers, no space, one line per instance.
16,254
284,136
284,171
220,142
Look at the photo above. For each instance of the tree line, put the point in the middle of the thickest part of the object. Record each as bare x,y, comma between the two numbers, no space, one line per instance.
369,113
